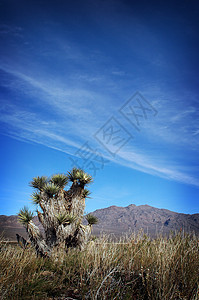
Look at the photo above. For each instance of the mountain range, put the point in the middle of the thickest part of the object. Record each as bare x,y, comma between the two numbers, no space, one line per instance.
117,221
153,221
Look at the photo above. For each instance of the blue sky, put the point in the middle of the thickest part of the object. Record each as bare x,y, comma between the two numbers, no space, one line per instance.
69,68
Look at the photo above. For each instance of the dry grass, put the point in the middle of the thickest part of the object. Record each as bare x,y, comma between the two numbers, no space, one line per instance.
134,268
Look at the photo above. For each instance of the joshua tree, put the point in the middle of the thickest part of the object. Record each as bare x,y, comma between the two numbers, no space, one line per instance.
61,212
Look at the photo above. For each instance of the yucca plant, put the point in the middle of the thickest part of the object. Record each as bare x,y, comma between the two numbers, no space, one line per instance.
86,193
25,216
36,198
60,180
91,219
51,189
39,182
65,219
61,218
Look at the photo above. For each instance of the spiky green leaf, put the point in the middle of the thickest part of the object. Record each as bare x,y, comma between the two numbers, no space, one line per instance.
65,219
60,180
39,182
36,198
78,175
73,175
84,178
25,215
51,189
86,193
91,219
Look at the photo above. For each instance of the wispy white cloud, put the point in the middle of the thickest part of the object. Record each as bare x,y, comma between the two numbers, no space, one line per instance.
75,107
30,127
67,134
174,123
6,29
57,97
196,132
148,165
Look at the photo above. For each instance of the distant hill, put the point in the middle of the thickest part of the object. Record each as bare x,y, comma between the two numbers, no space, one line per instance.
121,220
9,226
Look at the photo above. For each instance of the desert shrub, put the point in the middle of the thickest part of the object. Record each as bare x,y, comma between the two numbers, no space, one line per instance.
133,268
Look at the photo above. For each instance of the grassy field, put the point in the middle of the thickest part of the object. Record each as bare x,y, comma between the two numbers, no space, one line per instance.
134,268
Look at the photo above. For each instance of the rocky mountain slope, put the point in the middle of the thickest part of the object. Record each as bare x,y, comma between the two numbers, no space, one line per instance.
9,226
118,220
122,220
